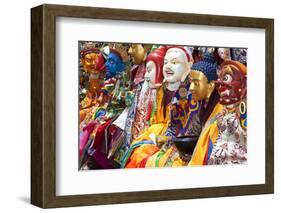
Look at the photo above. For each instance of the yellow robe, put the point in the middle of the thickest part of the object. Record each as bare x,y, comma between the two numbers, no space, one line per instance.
209,132
158,127
170,157
160,159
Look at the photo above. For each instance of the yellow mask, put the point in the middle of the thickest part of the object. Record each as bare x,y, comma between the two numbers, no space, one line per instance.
89,62
138,53
200,87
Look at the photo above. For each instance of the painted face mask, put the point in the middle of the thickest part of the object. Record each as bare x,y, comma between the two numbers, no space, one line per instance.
224,53
92,60
150,73
199,85
176,65
154,67
114,65
231,83
137,53
202,78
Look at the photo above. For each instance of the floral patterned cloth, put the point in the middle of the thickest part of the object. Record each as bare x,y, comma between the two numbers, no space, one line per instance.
231,146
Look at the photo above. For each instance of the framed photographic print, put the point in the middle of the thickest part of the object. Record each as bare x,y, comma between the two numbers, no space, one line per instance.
135,106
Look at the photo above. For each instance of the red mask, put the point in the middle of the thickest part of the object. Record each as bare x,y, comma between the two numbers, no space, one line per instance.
157,56
232,82
100,62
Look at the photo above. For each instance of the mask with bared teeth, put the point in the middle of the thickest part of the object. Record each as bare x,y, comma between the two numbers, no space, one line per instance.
232,82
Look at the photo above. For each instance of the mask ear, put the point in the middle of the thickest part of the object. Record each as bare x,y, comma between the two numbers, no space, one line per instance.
211,87
191,61
183,78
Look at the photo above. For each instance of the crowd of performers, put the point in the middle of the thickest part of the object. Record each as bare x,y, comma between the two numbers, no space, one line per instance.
161,106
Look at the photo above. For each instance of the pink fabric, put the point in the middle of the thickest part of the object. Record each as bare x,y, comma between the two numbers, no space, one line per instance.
84,137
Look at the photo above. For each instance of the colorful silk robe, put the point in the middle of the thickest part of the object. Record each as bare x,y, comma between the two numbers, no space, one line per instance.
145,144
102,114
184,114
223,139
206,140
231,143
181,113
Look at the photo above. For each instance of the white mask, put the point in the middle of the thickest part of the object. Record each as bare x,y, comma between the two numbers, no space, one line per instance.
150,74
176,66
224,53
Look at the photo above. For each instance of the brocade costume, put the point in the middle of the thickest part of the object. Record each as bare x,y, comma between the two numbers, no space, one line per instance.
231,142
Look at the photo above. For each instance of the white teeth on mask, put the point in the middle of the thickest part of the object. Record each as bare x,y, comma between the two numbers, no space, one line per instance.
226,92
227,100
223,93
230,106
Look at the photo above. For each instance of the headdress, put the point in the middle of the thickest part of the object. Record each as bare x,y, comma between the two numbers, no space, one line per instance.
207,66
157,56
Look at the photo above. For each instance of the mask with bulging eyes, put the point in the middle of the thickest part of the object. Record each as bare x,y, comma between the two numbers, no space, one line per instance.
114,65
231,84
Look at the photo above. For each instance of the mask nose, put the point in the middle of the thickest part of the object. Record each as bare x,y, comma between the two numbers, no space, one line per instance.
169,65
191,87
130,50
